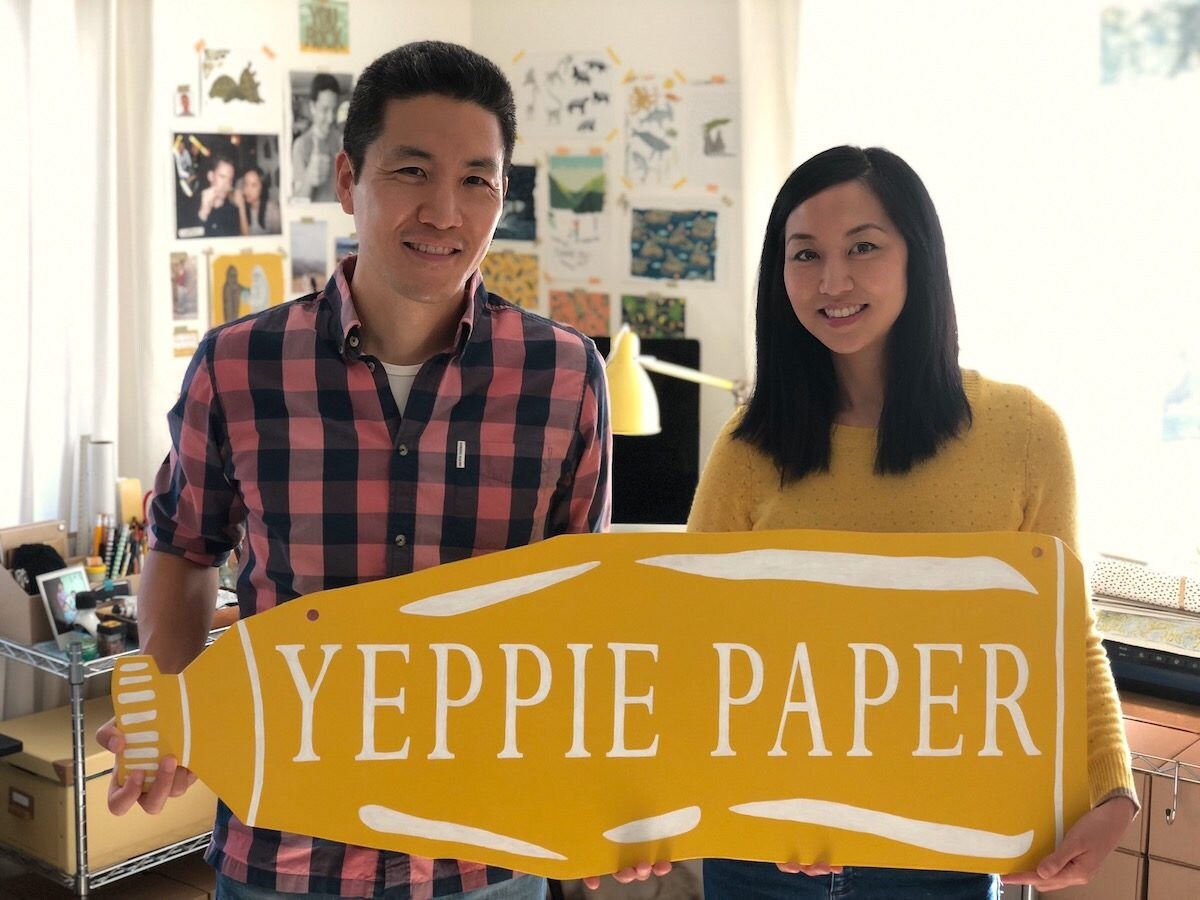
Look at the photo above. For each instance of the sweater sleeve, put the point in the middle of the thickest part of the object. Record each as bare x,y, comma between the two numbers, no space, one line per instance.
1050,509
724,496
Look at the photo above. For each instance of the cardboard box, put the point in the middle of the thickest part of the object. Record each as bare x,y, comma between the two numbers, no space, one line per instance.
37,797
1168,881
1118,878
145,886
23,617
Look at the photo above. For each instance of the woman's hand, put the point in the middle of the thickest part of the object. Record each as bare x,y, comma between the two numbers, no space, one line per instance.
814,869
1082,850
640,872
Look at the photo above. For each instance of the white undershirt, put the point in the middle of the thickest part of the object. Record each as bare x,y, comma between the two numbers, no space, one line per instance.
400,380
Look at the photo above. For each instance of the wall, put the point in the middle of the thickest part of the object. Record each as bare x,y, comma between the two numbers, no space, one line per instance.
705,46
1067,207
375,27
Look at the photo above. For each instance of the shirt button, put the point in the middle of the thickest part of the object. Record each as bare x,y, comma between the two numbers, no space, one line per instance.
371,365
401,540
354,340
402,449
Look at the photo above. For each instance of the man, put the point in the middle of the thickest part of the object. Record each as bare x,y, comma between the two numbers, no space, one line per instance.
401,418
314,151
219,202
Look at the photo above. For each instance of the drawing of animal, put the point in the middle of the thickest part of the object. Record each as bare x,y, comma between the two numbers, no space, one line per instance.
600,96
587,125
640,163
656,144
580,77
578,105
659,115
597,65
530,77
245,88
554,76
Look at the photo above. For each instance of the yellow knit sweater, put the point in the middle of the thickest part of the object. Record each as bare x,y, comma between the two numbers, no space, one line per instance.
1010,471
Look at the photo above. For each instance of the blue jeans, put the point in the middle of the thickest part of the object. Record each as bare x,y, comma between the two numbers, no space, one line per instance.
525,888
728,879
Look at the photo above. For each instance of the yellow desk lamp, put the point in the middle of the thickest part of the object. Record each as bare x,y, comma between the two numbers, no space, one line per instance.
634,404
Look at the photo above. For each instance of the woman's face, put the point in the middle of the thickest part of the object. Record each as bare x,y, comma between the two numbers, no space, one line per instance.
845,268
252,187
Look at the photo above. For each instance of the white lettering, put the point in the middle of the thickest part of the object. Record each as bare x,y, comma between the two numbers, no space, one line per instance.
928,699
801,665
861,700
443,700
1009,703
372,701
512,699
308,693
727,700
622,700
579,653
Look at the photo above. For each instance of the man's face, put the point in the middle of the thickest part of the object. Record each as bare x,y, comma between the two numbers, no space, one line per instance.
428,198
221,179
324,110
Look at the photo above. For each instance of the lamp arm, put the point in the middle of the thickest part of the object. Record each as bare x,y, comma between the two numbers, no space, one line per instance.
653,364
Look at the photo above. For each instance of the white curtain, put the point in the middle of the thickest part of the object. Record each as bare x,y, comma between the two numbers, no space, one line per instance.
59,353
769,33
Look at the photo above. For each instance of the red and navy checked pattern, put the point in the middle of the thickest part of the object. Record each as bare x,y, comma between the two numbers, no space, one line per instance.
287,439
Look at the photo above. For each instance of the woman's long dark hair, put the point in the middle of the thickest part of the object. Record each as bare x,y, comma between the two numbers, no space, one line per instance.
791,413
263,194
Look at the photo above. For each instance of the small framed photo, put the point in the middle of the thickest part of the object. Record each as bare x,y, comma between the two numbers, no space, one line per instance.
58,590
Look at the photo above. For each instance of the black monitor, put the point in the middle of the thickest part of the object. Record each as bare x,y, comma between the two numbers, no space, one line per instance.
654,477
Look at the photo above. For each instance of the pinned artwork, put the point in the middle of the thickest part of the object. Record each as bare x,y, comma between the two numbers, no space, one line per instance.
655,316
319,103
185,292
677,245
1144,40
185,101
186,340
310,266
563,95
514,276
518,222
243,284
325,26
240,88
344,247
654,130
226,185
579,705
1181,401
575,223
714,116
584,310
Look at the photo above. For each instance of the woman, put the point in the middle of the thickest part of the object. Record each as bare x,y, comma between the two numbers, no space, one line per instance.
259,213
861,420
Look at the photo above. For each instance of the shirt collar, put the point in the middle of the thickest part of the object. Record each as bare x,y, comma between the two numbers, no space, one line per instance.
343,327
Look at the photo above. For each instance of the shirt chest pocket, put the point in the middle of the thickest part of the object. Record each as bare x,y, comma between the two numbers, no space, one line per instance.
500,493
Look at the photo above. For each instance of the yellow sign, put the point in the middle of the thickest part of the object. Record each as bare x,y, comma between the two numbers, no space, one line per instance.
591,701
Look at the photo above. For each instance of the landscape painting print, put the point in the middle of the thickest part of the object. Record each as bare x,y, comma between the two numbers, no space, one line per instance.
575,221
675,245
654,131
654,316
514,276
518,221
584,310
714,117
561,95
325,26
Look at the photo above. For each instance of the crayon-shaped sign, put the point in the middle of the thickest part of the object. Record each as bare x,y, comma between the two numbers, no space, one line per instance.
582,704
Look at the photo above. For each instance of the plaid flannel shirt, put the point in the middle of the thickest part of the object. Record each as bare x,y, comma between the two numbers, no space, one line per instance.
286,439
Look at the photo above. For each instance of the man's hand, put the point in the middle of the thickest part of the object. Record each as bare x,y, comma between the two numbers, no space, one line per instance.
814,869
640,872
317,171
206,204
173,780
1082,850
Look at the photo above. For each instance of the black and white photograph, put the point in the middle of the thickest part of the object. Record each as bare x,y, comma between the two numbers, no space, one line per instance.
319,103
226,185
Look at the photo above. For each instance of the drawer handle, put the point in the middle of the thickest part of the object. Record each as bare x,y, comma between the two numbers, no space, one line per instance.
1174,798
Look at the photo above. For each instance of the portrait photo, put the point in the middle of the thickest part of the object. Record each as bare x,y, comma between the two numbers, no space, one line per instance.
58,590
226,185
319,102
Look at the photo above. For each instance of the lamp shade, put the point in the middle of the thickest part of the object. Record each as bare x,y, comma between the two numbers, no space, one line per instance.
633,403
